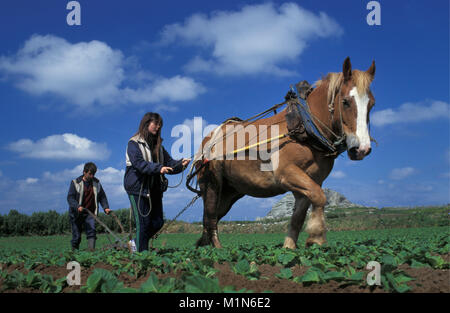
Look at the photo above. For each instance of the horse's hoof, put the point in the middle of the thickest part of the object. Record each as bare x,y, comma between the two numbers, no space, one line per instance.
215,239
315,240
289,244
216,243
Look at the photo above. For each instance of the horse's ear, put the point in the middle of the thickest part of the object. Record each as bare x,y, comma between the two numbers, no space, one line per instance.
371,70
347,69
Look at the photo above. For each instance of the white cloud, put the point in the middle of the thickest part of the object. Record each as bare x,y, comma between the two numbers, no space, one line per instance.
411,112
31,180
402,173
112,181
173,89
108,177
64,175
199,124
111,175
338,174
257,39
88,73
65,146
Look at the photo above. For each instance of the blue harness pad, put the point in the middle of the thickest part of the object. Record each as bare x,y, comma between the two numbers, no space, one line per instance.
314,133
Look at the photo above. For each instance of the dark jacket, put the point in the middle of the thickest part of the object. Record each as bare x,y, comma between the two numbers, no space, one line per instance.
75,195
142,175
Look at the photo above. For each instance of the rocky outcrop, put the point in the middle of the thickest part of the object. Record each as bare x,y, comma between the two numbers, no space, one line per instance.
285,206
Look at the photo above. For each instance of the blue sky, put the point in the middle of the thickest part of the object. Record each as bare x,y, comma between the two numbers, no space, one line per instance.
72,94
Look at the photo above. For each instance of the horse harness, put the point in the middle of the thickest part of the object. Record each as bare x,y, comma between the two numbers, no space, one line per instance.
302,126
301,123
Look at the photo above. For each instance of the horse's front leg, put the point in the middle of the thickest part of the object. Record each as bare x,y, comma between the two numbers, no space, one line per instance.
298,218
316,227
298,181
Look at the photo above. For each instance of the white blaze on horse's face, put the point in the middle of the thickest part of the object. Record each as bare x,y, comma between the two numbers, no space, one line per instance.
362,130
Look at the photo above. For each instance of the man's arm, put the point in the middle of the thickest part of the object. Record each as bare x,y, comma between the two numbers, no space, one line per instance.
102,199
72,196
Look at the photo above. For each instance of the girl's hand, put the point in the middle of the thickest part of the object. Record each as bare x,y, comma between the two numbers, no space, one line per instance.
166,170
185,162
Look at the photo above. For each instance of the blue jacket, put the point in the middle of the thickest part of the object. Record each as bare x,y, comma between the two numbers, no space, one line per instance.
75,195
142,175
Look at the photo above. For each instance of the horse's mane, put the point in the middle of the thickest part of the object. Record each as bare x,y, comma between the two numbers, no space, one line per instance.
361,79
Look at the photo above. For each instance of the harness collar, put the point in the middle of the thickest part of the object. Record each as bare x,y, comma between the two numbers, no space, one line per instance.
315,135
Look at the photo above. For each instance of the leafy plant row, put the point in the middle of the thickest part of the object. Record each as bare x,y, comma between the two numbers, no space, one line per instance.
104,281
18,281
343,259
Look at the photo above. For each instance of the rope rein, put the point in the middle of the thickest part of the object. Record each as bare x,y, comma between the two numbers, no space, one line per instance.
156,235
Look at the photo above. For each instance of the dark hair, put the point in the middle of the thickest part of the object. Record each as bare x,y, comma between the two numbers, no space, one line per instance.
154,141
90,167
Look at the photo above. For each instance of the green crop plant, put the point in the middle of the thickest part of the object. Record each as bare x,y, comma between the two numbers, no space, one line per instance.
343,259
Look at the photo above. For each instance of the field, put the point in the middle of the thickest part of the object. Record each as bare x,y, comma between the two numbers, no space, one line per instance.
411,259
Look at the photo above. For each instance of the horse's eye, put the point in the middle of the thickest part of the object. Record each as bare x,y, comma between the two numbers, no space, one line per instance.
346,103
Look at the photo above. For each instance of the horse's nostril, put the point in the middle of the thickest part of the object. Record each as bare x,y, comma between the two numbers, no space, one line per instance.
353,150
368,151
353,153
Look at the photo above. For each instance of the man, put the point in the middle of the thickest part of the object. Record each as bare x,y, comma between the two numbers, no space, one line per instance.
85,193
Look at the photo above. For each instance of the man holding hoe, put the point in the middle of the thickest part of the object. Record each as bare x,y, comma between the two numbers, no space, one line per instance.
85,193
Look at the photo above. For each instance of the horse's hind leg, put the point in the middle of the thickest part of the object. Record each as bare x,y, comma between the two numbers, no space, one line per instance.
298,218
210,218
223,203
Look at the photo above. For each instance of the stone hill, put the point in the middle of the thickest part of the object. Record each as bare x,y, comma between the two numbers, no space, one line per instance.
285,206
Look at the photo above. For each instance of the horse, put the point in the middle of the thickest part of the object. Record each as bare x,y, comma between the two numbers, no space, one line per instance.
340,103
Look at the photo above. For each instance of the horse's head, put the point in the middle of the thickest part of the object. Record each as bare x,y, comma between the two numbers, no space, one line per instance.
353,101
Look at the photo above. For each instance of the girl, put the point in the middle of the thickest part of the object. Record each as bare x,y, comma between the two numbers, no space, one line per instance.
147,161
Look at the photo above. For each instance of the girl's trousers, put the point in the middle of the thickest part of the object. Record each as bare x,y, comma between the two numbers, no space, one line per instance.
148,220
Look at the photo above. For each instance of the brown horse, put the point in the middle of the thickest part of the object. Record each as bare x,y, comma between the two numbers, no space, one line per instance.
341,103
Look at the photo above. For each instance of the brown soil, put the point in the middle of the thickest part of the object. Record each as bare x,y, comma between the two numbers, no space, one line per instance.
427,280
